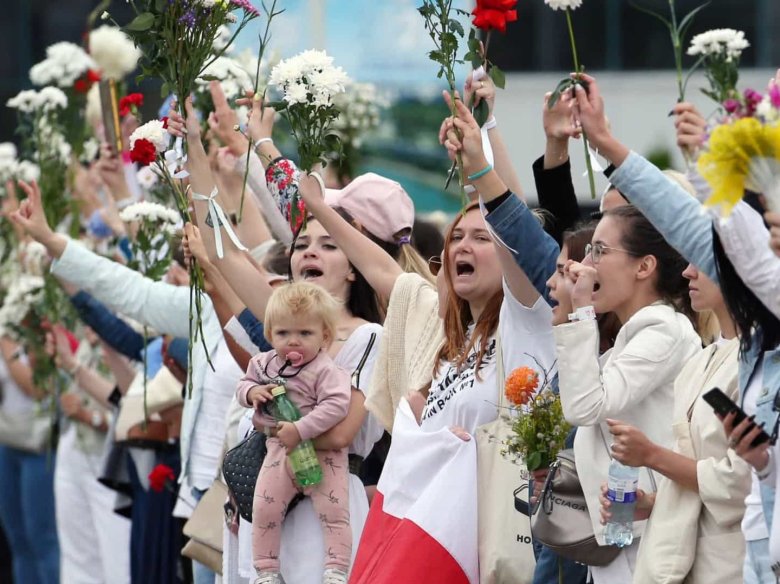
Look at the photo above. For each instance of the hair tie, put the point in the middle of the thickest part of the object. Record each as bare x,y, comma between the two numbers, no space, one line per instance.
404,240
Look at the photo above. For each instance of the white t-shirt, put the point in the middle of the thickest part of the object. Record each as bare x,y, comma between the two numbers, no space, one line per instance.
753,523
219,387
461,398
13,400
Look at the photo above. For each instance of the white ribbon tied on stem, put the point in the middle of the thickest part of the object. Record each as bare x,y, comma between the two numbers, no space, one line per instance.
175,158
218,218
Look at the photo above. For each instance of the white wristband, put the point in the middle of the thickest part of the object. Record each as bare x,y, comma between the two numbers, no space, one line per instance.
491,123
582,313
469,189
262,140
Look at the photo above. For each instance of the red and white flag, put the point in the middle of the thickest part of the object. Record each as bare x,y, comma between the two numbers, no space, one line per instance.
422,526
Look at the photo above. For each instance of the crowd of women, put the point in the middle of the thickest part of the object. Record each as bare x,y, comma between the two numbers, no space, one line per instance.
635,314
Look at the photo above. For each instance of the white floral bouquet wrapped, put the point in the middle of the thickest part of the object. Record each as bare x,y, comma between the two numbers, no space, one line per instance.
721,50
308,83
113,51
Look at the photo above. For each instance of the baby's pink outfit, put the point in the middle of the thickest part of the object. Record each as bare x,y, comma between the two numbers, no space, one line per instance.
321,391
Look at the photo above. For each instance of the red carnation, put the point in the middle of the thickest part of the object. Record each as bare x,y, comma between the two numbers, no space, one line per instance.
143,152
81,86
494,14
159,477
129,103
164,120
93,76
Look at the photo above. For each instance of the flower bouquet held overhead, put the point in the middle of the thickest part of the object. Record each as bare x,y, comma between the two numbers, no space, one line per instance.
720,51
176,39
743,152
568,83
308,83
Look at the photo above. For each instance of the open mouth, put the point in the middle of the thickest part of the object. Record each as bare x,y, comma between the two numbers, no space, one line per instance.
464,268
596,286
309,273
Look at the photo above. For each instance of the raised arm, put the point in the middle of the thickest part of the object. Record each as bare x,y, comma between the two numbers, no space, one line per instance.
490,187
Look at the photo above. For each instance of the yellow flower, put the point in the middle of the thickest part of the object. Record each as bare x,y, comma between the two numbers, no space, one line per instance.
743,154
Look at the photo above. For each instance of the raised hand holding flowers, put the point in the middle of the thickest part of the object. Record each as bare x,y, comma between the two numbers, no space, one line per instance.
569,83
308,83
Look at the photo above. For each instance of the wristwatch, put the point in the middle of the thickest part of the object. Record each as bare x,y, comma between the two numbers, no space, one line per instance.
582,313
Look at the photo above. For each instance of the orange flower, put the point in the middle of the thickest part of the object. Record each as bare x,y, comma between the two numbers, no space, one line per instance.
520,385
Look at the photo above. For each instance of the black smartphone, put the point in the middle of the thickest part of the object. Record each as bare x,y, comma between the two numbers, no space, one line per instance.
723,405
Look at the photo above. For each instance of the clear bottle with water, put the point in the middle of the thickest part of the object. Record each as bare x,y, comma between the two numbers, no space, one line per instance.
621,493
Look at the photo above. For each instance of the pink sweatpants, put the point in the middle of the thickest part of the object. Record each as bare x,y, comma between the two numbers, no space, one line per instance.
274,490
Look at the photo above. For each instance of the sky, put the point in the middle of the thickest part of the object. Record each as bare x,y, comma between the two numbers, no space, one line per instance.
381,41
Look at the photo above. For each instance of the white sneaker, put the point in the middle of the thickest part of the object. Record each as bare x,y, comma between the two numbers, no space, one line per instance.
270,578
334,576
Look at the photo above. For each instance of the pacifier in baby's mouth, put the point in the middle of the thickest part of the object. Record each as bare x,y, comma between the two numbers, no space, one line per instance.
295,358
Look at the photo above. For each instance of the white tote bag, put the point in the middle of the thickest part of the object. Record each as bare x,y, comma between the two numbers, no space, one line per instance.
506,554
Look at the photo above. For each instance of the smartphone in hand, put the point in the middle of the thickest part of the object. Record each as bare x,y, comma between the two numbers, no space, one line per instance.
723,405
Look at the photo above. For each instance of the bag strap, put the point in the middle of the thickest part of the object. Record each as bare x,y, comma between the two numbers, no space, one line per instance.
609,453
359,369
500,372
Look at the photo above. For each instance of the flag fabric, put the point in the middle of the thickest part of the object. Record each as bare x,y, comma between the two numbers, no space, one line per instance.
422,526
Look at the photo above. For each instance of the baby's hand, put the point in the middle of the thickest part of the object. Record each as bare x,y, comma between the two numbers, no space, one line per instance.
259,395
288,435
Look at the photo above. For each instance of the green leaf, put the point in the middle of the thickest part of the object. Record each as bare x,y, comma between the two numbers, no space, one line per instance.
481,112
534,461
160,5
652,13
209,78
498,77
278,105
457,27
165,90
686,22
560,88
141,23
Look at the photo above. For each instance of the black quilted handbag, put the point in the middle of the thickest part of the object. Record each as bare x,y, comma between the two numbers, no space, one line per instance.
240,467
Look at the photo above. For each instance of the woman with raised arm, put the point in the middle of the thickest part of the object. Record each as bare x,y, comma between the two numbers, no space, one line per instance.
680,219
315,258
493,313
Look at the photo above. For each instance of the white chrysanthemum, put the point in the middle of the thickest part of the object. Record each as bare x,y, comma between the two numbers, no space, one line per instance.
152,131
328,81
65,62
26,101
91,150
148,211
766,111
51,98
224,34
359,108
27,171
563,4
147,177
720,41
286,72
313,60
296,93
113,51
34,258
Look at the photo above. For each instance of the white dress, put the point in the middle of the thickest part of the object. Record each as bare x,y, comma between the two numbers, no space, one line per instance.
302,554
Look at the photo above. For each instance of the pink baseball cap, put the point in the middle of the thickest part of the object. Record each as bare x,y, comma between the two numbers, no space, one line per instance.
379,204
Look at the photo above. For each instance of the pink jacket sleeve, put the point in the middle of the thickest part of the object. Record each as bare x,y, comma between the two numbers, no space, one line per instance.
253,377
333,388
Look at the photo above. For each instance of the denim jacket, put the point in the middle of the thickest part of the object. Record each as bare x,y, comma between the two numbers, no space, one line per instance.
534,250
679,218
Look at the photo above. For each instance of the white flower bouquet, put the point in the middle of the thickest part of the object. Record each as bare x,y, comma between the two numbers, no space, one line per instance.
721,50
113,51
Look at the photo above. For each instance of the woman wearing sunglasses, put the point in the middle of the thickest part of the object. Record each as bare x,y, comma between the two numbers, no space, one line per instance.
631,271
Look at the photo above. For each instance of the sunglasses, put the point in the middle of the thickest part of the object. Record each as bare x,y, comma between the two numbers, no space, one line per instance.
434,264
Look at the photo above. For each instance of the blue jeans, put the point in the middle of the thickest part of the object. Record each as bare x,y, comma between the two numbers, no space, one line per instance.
200,573
757,566
27,515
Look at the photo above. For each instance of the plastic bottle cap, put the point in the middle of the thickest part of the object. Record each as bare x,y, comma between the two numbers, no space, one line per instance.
278,390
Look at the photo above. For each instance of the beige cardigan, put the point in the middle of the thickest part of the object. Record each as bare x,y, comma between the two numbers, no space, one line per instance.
409,346
697,537
633,382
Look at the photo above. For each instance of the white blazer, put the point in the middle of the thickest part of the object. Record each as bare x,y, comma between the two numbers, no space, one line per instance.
162,306
633,382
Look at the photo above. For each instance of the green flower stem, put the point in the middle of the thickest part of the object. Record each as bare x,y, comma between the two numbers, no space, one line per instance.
146,342
577,70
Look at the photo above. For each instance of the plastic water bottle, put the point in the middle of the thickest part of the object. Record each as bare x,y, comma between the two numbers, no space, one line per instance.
303,459
621,493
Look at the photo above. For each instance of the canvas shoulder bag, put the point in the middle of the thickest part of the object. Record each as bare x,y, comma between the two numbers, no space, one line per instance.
505,550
